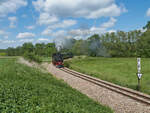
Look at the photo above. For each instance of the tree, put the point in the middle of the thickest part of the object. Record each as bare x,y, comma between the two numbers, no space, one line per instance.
28,47
10,51
147,26
40,49
143,45
50,49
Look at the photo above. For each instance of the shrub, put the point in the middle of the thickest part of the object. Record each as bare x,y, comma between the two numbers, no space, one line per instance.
32,57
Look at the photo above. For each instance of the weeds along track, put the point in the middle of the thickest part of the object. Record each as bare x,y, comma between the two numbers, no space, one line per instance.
138,96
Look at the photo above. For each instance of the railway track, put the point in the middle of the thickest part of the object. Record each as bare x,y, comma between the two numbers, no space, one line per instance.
138,96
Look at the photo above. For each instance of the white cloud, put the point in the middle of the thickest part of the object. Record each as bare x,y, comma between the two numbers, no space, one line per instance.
7,41
85,33
54,34
30,27
46,19
6,37
148,12
13,21
26,40
4,34
81,33
43,39
39,4
111,10
79,8
59,33
97,30
47,32
143,30
93,30
10,6
26,35
112,31
64,24
110,23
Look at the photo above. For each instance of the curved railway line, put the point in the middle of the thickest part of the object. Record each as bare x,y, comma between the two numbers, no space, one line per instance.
138,96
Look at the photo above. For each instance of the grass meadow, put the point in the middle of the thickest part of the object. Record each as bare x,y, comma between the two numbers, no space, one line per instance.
27,90
121,71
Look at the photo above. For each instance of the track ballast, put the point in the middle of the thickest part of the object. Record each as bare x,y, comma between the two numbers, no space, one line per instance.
143,98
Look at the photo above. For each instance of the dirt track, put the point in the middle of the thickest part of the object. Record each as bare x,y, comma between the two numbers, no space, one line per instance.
119,103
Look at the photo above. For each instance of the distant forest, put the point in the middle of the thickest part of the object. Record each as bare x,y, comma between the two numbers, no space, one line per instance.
116,44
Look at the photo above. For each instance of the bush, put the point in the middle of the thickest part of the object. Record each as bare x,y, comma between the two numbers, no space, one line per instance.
32,57
66,64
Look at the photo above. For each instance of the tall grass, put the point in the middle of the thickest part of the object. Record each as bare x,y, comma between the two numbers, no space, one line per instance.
27,90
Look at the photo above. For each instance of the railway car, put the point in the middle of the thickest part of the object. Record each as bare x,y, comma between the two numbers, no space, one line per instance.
57,60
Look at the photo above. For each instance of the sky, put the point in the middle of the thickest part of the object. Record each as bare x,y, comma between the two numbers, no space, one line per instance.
44,21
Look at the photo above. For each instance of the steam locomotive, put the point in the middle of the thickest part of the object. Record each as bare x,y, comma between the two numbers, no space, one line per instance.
58,58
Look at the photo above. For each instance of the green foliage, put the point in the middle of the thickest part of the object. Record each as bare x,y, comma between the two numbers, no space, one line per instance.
40,49
32,57
50,49
121,71
147,26
121,44
28,47
27,90
10,51
143,45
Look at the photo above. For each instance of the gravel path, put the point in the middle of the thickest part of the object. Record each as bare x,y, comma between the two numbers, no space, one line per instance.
118,102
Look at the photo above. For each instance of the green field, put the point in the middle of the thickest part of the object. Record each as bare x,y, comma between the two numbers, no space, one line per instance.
121,71
27,90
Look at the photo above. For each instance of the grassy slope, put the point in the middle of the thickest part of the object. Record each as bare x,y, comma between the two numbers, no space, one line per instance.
121,71
27,90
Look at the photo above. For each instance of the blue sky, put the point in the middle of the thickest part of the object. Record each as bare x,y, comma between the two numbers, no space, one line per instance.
45,21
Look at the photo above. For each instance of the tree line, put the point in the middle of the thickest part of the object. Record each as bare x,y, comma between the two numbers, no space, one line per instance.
116,44
40,49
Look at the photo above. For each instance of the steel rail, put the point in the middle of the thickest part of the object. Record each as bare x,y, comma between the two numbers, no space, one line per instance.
121,90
